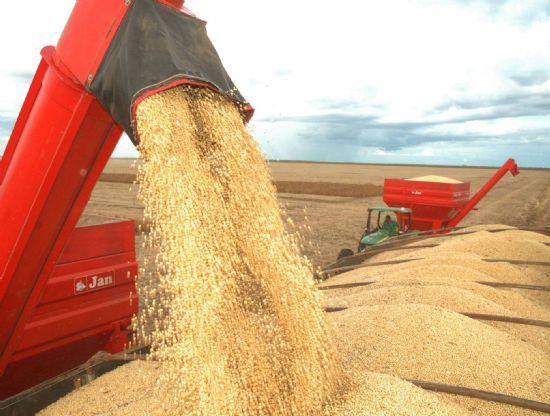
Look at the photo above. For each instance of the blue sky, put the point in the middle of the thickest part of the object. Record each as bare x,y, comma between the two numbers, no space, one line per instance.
406,81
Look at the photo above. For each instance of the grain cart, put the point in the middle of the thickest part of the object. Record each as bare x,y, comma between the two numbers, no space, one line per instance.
68,293
421,208
437,205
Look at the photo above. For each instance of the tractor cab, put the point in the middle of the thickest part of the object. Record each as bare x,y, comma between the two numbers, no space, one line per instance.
384,223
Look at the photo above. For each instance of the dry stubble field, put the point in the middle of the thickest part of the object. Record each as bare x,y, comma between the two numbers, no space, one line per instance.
332,199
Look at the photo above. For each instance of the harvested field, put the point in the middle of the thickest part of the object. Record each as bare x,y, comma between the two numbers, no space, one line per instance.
520,200
352,190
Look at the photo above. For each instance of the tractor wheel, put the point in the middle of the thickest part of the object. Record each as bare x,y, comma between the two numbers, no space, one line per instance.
345,252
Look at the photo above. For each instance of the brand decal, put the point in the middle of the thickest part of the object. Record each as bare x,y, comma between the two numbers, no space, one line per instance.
93,282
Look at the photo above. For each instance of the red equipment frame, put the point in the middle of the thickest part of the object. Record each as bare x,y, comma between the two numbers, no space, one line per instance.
438,205
59,146
87,306
509,166
433,204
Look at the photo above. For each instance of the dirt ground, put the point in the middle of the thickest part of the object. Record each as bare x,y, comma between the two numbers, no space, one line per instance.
330,222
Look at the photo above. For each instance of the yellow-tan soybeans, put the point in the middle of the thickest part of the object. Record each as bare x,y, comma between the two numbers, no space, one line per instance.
241,328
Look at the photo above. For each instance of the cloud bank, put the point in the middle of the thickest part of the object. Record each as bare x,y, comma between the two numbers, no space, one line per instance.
421,81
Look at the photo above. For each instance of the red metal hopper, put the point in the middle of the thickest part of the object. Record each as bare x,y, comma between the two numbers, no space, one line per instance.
433,204
68,293
437,205
86,306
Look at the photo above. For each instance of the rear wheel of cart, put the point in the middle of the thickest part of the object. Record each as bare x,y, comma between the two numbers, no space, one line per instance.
345,252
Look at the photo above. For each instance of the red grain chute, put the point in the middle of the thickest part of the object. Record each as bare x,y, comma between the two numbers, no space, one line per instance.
65,292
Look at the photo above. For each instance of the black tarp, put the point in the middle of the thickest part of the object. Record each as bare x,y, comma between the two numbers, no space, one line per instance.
156,46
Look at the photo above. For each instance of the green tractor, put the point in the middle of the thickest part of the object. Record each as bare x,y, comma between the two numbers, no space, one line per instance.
386,223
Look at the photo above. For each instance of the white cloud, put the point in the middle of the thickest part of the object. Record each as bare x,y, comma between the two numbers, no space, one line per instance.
427,153
399,61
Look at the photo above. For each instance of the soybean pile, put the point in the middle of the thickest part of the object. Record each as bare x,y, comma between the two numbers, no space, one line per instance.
409,324
434,178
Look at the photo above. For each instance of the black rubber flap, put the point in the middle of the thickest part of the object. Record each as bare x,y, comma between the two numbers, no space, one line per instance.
156,46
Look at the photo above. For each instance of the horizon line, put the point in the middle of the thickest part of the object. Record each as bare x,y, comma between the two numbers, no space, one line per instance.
435,165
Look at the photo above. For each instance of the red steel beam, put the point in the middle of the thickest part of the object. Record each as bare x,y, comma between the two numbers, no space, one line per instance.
509,166
60,144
